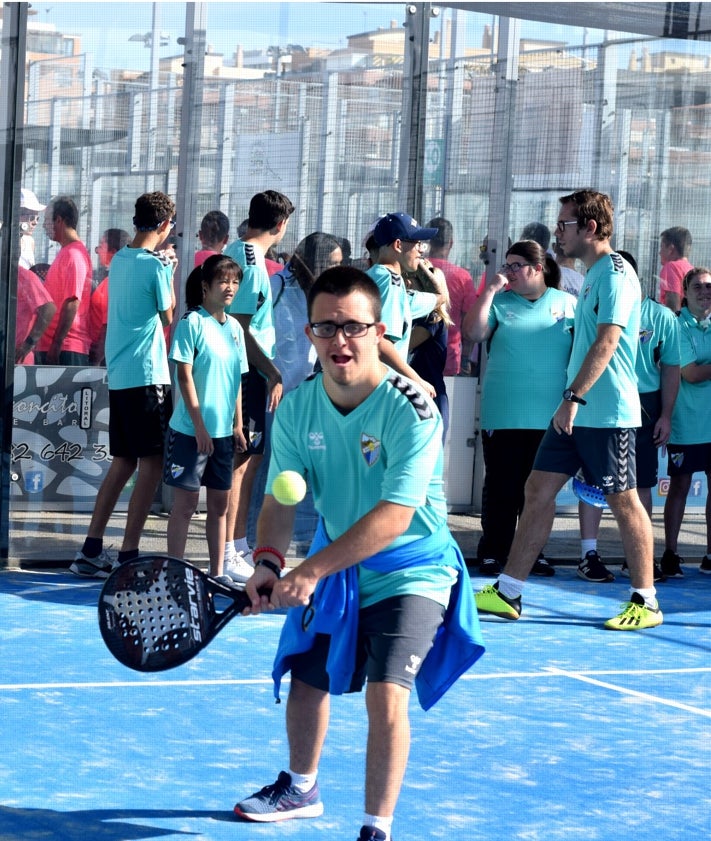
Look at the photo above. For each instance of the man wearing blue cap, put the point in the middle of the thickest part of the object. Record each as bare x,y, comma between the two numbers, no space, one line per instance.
401,244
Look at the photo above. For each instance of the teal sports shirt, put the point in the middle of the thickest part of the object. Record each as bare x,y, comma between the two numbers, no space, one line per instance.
610,295
658,344
691,418
528,354
218,356
139,288
254,296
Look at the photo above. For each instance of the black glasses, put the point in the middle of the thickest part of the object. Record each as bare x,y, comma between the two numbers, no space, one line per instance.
560,226
350,329
513,267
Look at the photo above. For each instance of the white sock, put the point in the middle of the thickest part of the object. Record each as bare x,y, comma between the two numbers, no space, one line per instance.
229,550
378,822
241,545
510,587
302,782
648,594
588,546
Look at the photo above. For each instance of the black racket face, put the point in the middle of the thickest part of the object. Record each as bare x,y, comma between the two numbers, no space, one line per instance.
157,612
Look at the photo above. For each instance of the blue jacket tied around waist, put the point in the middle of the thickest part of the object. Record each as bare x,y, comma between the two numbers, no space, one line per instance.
457,646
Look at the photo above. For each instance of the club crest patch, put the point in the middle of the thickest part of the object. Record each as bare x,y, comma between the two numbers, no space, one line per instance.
176,470
677,459
370,448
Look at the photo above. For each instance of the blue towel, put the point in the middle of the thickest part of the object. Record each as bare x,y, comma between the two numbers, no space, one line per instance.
457,646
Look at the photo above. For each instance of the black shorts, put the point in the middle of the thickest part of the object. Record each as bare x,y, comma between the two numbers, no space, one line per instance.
646,450
607,457
394,637
254,410
685,459
186,468
138,420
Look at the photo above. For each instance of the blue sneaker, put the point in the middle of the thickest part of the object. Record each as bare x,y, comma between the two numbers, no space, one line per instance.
280,802
370,833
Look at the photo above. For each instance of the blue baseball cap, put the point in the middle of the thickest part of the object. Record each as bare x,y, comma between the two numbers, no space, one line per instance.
400,226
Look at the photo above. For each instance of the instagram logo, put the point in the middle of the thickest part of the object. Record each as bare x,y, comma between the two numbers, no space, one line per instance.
663,486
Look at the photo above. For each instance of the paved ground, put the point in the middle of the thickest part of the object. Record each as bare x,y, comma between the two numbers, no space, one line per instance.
41,539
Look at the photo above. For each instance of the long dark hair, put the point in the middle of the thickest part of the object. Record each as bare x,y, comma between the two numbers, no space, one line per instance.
310,257
205,273
533,253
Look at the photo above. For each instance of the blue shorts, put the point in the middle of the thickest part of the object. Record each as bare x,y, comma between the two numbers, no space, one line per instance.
647,451
138,420
254,410
607,457
184,467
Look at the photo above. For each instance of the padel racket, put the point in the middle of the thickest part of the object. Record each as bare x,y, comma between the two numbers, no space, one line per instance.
590,494
158,612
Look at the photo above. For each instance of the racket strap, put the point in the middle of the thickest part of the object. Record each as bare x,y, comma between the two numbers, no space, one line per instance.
263,562
270,550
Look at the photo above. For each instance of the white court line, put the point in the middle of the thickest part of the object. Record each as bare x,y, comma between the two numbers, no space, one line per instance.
548,671
646,696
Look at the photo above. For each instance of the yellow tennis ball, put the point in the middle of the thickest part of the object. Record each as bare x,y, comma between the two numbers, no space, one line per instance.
289,487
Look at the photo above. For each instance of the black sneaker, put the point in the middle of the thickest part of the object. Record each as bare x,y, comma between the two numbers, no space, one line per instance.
591,568
542,567
658,574
671,564
370,833
705,566
489,567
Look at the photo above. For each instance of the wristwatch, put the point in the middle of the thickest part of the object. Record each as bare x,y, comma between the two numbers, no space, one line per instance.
572,397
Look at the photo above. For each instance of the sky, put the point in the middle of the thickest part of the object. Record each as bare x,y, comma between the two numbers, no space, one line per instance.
106,27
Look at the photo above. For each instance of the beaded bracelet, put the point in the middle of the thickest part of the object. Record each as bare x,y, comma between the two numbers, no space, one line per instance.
263,562
272,551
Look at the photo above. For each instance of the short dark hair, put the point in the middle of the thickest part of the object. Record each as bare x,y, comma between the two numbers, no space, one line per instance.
152,209
533,252
679,237
593,206
215,226
206,272
538,232
343,280
445,231
64,208
630,259
116,238
268,209
692,274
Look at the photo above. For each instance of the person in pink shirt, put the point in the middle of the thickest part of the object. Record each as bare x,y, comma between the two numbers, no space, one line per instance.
66,341
35,310
213,235
674,248
112,240
462,293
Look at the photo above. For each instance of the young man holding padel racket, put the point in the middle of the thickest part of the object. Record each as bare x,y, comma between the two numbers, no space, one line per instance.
384,586
594,427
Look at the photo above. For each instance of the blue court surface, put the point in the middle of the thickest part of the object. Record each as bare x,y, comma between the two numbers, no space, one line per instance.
563,730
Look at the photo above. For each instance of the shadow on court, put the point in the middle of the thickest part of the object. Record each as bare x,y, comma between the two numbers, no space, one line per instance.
99,824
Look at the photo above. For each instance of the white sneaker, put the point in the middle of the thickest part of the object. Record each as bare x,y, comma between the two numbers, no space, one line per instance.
239,566
99,567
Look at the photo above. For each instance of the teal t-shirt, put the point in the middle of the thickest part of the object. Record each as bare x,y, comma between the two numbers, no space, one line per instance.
658,344
139,287
610,295
254,296
218,356
400,306
528,353
691,419
387,448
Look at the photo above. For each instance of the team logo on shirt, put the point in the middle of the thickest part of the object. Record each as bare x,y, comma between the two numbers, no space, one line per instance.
587,290
556,314
316,441
645,336
370,448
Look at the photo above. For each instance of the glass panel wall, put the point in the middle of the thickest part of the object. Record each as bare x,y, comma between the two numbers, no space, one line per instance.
315,100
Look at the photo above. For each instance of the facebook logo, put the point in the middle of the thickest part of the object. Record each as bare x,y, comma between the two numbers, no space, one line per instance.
34,481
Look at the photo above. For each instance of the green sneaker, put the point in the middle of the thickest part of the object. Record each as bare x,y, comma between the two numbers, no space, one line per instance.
635,616
490,600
